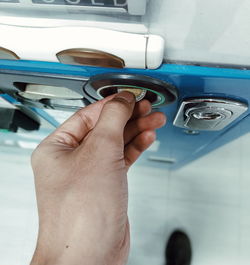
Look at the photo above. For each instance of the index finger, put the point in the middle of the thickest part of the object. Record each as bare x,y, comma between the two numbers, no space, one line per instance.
74,129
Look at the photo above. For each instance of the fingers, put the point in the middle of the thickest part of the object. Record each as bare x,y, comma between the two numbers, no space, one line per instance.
115,114
142,108
73,130
108,116
150,122
136,147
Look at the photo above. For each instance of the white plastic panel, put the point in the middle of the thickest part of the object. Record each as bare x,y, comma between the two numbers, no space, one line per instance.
42,44
155,51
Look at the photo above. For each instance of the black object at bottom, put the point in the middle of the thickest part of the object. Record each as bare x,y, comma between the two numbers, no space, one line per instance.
178,250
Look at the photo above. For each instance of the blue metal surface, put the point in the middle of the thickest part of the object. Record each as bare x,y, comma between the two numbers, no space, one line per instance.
191,81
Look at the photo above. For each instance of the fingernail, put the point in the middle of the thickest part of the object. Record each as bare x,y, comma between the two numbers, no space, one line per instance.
125,95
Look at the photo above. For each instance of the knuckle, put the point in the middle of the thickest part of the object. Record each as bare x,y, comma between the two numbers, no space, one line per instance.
67,138
87,122
118,103
128,161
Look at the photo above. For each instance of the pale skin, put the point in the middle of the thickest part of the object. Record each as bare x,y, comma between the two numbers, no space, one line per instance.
81,182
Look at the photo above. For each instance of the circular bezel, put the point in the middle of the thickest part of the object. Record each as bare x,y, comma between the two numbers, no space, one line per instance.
165,93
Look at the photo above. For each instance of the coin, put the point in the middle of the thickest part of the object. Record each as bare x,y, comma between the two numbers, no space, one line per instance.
138,92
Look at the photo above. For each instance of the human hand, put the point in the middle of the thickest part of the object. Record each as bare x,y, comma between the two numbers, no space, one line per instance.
81,182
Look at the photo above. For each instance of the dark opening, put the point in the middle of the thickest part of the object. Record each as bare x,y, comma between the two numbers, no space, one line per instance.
20,85
178,249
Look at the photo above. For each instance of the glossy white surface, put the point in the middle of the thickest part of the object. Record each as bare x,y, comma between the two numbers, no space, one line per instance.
209,199
45,43
42,44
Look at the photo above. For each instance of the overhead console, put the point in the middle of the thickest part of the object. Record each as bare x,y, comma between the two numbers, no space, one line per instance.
103,33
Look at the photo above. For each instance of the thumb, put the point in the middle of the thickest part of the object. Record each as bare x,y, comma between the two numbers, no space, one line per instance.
115,114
